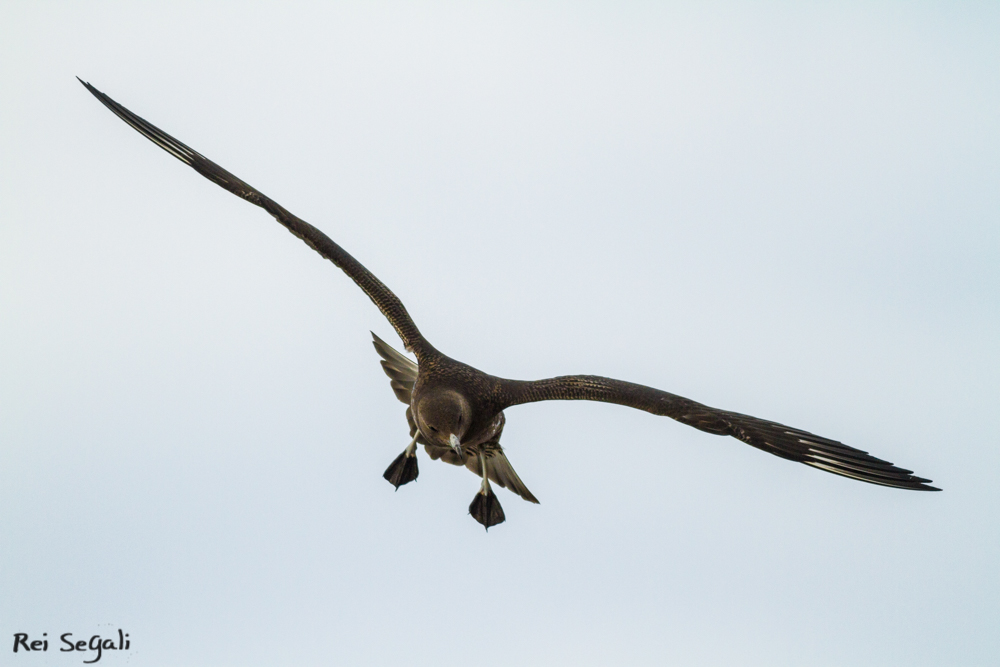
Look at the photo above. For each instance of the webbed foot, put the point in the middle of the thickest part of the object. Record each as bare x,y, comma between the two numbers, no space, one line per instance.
403,470
485,508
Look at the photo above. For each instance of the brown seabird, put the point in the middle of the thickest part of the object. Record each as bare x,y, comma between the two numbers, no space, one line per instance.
456,411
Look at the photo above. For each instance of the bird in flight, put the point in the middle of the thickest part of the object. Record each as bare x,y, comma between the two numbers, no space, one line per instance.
457,412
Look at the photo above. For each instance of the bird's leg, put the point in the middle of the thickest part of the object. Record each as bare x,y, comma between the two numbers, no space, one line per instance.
404,469
485,507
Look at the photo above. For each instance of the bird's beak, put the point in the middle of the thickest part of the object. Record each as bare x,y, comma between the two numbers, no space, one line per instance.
455,444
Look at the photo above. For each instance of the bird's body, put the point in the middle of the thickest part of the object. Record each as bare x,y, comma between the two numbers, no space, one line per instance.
430,391
457,412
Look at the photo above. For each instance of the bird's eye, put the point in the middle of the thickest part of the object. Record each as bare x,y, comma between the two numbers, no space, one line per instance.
434,429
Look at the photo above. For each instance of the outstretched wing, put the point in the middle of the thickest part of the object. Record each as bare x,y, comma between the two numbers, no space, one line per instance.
784,441
382,296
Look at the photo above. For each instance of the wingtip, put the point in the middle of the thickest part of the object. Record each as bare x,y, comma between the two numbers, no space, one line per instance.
93,91
925,484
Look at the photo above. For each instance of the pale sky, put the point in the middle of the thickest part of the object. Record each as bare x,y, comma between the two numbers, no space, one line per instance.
791,212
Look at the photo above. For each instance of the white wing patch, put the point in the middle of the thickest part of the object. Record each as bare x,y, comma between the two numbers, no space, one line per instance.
401,370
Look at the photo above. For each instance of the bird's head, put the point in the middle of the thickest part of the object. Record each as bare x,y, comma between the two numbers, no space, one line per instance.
444,417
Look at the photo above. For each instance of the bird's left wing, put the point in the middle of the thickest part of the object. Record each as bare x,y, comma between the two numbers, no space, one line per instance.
784,441
382,296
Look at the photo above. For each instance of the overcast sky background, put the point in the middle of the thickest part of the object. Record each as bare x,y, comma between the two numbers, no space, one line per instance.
791,212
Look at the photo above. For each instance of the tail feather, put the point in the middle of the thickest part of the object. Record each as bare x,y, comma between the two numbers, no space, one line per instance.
501,472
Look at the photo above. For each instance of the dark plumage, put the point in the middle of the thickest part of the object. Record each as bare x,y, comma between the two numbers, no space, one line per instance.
456,411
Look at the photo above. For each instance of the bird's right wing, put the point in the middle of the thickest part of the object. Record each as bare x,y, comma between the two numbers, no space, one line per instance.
382,296
784,441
